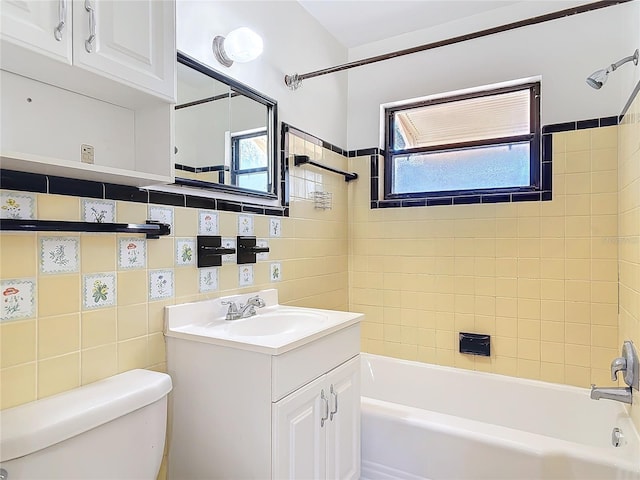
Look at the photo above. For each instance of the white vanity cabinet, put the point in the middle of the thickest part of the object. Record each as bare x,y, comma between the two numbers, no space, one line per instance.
316,428
246,411
89,62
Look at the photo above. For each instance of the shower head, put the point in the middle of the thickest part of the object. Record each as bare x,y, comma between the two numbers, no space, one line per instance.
599,78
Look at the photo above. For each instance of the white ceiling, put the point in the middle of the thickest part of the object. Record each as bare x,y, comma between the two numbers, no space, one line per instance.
357,22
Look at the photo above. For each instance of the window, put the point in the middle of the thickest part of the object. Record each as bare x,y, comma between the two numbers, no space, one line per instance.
474,143
250,160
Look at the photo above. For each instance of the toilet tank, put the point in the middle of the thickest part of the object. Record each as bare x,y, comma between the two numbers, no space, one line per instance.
111,429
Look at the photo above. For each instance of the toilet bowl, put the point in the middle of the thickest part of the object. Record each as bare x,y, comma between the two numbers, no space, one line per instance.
111,429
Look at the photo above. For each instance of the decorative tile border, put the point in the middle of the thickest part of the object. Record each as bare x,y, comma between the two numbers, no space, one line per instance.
229,243
185,251
207,222
161,214
208,279
132,253
245,225
275,272
261,242
245,275
18,299
17,205
98,211
99,290
275,227
59,254
160,284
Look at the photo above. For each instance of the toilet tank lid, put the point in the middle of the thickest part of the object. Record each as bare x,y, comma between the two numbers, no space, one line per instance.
36,425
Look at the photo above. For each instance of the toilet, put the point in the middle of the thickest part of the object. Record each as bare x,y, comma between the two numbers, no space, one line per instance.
111,429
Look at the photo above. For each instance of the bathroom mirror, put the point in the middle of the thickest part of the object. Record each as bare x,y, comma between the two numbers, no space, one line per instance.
224,133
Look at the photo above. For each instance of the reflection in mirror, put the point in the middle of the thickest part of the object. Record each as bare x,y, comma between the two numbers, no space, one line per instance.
224,133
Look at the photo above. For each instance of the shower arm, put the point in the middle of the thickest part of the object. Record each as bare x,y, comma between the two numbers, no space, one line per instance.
631,58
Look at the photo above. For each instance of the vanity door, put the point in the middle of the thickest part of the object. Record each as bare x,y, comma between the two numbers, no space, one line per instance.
299,433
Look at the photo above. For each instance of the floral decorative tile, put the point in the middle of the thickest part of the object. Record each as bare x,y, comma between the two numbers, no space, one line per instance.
207,222
132,253
99,290
261,242
275,227
246,275
18,299
59,254
245,225
229,243
208,279
98,211
161,214
185,251
160,284
17,205
275,270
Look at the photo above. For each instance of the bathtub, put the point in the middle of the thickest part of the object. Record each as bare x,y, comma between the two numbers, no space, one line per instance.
422,421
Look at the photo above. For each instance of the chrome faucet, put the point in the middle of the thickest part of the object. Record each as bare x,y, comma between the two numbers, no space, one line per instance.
243,311
628,365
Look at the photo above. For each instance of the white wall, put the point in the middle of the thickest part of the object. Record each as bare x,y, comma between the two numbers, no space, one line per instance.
293,42
564,52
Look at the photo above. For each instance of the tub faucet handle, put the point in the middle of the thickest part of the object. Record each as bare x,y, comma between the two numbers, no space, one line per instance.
618,364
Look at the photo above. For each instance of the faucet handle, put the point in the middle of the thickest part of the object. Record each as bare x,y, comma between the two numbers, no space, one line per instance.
233,308
618,364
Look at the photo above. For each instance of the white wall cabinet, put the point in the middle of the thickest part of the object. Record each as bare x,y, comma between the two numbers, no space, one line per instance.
245,414
114,53
316,428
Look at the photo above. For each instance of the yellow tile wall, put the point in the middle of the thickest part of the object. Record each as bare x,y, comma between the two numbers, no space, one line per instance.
629,233
540,277
64,346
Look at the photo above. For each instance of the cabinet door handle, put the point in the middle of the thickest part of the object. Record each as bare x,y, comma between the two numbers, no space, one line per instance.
326,408
62,16
335,403
88,44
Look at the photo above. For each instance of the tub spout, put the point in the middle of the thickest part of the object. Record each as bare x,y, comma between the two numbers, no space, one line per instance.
619,394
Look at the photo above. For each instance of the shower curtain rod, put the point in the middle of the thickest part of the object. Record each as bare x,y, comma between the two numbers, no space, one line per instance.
294,81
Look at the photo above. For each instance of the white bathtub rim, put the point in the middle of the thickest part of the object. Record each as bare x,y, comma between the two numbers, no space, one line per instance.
466,372
526,442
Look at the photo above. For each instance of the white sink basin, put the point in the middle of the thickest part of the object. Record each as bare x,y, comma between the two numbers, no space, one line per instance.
274,329
281,321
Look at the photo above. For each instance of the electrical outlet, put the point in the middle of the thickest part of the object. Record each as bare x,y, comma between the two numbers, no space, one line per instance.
86,153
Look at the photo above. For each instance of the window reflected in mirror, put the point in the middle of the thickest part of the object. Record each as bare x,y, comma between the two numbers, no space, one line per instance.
224,133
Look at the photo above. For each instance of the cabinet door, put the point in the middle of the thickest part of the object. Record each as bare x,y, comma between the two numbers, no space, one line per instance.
43,27
298,437
131,42
343,430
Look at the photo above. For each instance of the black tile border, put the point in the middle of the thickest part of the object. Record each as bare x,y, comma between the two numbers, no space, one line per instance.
38,183
23,181
581,124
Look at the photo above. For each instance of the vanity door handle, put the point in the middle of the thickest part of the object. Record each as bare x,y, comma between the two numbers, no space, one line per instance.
326,408
62,16
335,403
88,44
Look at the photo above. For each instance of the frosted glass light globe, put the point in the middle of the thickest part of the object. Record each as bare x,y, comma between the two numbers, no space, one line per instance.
243,45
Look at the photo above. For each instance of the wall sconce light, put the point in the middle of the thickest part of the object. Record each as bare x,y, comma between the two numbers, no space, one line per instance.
241,45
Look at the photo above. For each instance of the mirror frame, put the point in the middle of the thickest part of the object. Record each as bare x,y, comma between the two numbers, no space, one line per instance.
272,133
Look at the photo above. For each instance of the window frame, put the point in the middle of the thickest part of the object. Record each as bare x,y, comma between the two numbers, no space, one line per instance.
534,138
235,157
